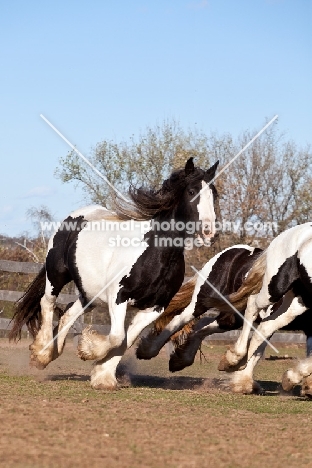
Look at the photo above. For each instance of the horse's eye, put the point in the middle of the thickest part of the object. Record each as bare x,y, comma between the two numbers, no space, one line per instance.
191,192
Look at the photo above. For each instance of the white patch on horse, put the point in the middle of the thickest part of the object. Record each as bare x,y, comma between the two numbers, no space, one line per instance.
92,212
95,273
264,313
295,242
206,212
284,246
156,343
305,254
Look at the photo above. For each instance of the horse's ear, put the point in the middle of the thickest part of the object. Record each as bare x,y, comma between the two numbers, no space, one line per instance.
189,167
210,173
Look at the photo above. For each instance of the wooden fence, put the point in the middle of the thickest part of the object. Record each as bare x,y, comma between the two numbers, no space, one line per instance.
29,267
10,266
26,267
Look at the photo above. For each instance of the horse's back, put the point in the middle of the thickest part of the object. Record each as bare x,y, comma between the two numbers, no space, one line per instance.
289,242
62,261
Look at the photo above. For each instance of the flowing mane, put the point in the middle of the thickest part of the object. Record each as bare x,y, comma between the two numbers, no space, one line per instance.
146,203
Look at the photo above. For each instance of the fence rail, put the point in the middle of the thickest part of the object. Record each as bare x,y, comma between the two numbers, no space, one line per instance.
20,267
13,296
10,266
29,267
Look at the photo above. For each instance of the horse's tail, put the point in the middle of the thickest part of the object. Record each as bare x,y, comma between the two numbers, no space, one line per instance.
27,308
178,303
251,285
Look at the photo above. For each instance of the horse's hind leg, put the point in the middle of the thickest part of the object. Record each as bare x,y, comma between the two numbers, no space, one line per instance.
236,353
66,321
42,349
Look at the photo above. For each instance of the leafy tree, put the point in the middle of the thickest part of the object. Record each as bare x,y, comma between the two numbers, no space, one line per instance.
268,183
147,160
38,215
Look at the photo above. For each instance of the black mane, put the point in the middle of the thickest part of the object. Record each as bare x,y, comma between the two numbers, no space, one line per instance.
147,203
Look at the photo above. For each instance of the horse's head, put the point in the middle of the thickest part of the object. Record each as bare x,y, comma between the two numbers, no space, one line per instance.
186,198
198,201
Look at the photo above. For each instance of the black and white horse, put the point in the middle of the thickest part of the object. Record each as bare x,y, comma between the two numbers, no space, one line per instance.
135,256
187,342
282,275
226,272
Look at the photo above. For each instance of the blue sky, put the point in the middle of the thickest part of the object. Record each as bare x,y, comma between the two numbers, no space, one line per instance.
107,69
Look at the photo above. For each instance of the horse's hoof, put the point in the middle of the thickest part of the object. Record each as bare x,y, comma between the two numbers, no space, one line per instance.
86,352
246,385
257,389
124,381
85,356
224,364
109,386
35,362
89,346
177,364
144,350
306,387
287,384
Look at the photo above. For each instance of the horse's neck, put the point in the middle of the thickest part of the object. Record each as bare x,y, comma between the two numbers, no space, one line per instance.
160,224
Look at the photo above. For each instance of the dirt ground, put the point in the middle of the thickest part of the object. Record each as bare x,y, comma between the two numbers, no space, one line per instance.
53,418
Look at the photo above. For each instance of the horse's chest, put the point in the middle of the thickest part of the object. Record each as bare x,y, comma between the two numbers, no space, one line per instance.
154,279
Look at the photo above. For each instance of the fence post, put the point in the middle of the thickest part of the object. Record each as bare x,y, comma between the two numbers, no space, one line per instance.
80,322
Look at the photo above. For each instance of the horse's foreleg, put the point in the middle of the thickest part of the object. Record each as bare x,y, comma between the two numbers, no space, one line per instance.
103,375
289,309
184,355
149,347
242,381
234,355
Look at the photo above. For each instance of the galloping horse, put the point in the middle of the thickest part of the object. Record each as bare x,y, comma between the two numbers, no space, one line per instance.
187,342
225,272
140,260
282,275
